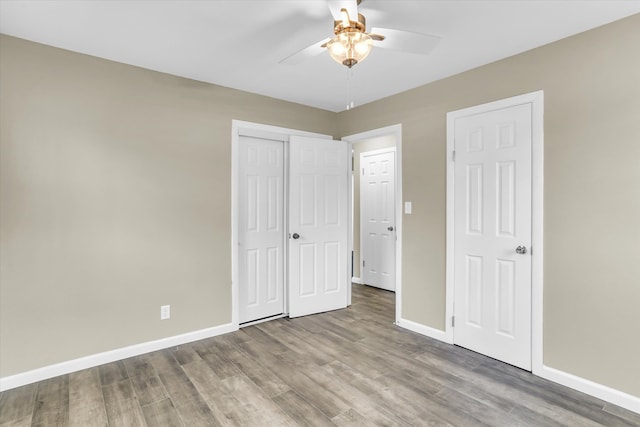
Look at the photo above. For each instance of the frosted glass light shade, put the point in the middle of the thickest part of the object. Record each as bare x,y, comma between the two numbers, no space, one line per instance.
349,48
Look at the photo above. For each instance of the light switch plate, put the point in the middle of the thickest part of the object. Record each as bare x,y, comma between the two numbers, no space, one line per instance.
407,208
165,312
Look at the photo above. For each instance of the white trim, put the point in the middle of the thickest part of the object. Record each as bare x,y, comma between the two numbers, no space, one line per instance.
423,330
600,391
356,280
13,381
256,130
536,99
349,221
379,151
395,130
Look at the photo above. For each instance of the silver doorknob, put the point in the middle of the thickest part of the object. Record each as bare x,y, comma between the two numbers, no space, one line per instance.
390,228
295,236
521,250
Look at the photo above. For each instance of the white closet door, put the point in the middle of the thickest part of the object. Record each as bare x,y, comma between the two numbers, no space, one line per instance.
261,234
318,225
492,234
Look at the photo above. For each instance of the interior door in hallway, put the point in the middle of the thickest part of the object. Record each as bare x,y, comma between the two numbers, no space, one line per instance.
261,234
318,225
492,233
377,218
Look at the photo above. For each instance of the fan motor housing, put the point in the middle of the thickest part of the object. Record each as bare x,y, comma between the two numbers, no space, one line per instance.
359,26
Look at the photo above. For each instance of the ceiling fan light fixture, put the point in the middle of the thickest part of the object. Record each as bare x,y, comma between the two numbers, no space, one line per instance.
349,48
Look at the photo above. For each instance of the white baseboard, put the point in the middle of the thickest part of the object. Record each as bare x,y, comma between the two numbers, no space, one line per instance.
356,280
423,330
600,391
17,380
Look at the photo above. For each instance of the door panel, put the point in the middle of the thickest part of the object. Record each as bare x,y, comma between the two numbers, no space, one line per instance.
492,285
261,234
318,214
377,204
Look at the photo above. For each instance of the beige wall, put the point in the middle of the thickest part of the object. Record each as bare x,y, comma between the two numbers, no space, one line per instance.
114,200
376,143
592,192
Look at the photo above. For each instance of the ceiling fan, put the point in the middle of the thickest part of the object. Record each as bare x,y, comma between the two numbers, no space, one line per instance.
351,43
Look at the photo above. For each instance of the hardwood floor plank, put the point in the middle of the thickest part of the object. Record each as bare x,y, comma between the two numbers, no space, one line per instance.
217,358
121,404
325,400
458,408
167,367
265,408
185,354
17,404
573,402
191,406
162,413
269,342
622,413
196,412
145,380
281,330
52,402
112,373
86,402
442,370
148,389
301,411
139,366
227,408
367,396
24,422
268,382
351,418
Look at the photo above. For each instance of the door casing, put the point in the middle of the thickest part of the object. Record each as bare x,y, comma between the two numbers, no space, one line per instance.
536,99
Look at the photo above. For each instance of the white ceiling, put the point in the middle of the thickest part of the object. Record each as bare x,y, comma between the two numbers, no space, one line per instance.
239,43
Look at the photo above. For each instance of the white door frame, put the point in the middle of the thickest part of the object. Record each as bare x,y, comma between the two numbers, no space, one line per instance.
536,99
396,131
256,130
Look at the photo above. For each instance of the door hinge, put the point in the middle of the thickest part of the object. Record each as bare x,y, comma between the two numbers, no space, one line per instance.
453,156
453,320
362,171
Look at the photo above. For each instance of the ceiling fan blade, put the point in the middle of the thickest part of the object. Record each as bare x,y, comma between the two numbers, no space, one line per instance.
407,41
306,53
336,5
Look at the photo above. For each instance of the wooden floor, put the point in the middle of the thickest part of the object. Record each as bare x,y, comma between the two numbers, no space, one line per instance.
348,367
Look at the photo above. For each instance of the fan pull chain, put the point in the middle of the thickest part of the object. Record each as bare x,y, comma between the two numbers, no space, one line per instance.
350,103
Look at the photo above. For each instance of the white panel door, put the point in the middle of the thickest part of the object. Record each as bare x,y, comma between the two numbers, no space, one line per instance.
377,219
318,225
492,234
261,234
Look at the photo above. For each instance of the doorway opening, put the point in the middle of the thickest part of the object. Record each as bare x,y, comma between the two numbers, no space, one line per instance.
376,240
